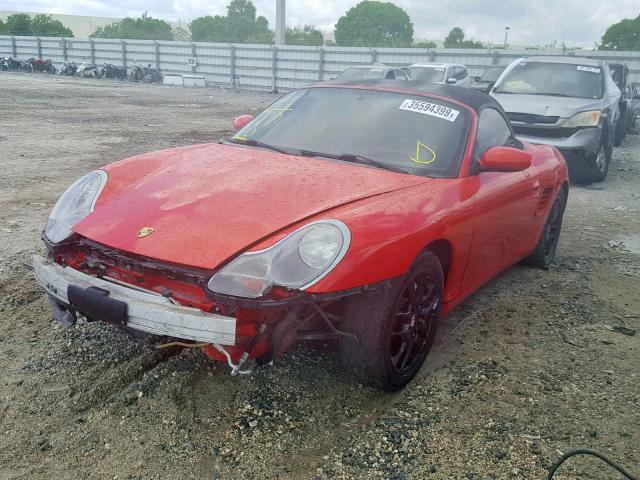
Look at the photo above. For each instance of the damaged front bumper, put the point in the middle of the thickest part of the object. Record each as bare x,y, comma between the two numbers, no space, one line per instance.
145,311
577,146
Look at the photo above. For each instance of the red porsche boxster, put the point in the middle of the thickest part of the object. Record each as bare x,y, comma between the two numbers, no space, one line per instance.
354,212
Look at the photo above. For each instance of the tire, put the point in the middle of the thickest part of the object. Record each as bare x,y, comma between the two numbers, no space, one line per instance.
545,250
395,328
621,130
599,163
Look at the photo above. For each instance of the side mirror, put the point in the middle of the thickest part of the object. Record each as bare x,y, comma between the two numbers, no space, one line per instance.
451,81
505,159
241,121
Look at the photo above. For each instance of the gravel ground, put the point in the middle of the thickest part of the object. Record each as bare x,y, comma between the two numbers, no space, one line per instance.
532,365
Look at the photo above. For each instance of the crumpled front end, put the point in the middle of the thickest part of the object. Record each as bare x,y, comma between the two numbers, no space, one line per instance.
167,305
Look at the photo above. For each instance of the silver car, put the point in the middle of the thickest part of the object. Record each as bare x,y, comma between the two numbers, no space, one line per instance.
449,73
569,102
377,71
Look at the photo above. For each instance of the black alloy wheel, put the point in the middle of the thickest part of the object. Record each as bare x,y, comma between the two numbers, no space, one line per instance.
413,328
545,250
395,327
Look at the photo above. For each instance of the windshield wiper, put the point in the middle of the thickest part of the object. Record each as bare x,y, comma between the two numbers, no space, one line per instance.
352,157
552,94
347,157
257,143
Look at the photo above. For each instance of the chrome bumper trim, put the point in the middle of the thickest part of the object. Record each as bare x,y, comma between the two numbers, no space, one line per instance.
147,311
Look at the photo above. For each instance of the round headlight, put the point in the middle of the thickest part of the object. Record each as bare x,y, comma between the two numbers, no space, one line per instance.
76,203
298,261
319,246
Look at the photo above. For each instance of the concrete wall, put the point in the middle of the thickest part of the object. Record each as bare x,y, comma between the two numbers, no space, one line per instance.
267,67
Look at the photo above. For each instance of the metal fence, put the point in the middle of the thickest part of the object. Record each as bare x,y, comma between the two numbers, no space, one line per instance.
266,66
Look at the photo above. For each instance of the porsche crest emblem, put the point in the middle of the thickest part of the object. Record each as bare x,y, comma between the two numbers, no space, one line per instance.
145,232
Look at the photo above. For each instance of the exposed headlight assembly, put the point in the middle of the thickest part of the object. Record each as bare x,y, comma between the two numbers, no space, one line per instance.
297,261
584,119
76,203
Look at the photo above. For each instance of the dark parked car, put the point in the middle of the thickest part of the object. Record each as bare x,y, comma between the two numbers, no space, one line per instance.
488,79
635,104
620,75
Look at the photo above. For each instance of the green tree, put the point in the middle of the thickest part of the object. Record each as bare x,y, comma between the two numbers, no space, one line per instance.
143,28
425,45
261,32
624,35
210,29
304,35
455,39
241,15
374,24
46,26
239,26
3,27
18,24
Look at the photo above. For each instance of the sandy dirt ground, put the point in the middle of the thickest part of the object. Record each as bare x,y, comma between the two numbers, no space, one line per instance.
534,364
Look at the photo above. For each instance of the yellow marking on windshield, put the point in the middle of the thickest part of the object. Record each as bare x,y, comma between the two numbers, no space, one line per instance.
240,137
271,120
421,150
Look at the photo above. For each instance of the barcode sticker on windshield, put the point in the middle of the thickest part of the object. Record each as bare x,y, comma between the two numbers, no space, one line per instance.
582,68
433,109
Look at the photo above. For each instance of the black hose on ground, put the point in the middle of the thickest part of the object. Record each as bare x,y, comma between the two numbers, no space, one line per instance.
583,451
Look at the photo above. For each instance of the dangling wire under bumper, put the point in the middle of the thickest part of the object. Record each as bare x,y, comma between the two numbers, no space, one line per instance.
236,369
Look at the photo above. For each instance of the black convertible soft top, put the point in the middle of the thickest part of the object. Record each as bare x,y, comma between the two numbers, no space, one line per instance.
475,99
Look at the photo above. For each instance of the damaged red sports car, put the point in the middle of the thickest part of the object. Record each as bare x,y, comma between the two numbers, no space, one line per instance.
354,212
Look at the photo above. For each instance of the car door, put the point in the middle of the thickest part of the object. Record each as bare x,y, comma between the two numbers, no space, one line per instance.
465,78
504,206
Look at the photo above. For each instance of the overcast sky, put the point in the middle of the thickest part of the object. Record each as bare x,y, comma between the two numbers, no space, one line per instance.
531,21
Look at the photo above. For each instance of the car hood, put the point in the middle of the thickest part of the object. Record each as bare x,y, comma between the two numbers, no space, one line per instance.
562,107
207,203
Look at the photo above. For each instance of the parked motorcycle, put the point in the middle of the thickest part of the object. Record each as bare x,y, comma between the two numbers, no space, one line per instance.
45,66
34,64
152,76
146,74
80,68
68,68
86,70
137,73
27,66
92,71
112,71
10,64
